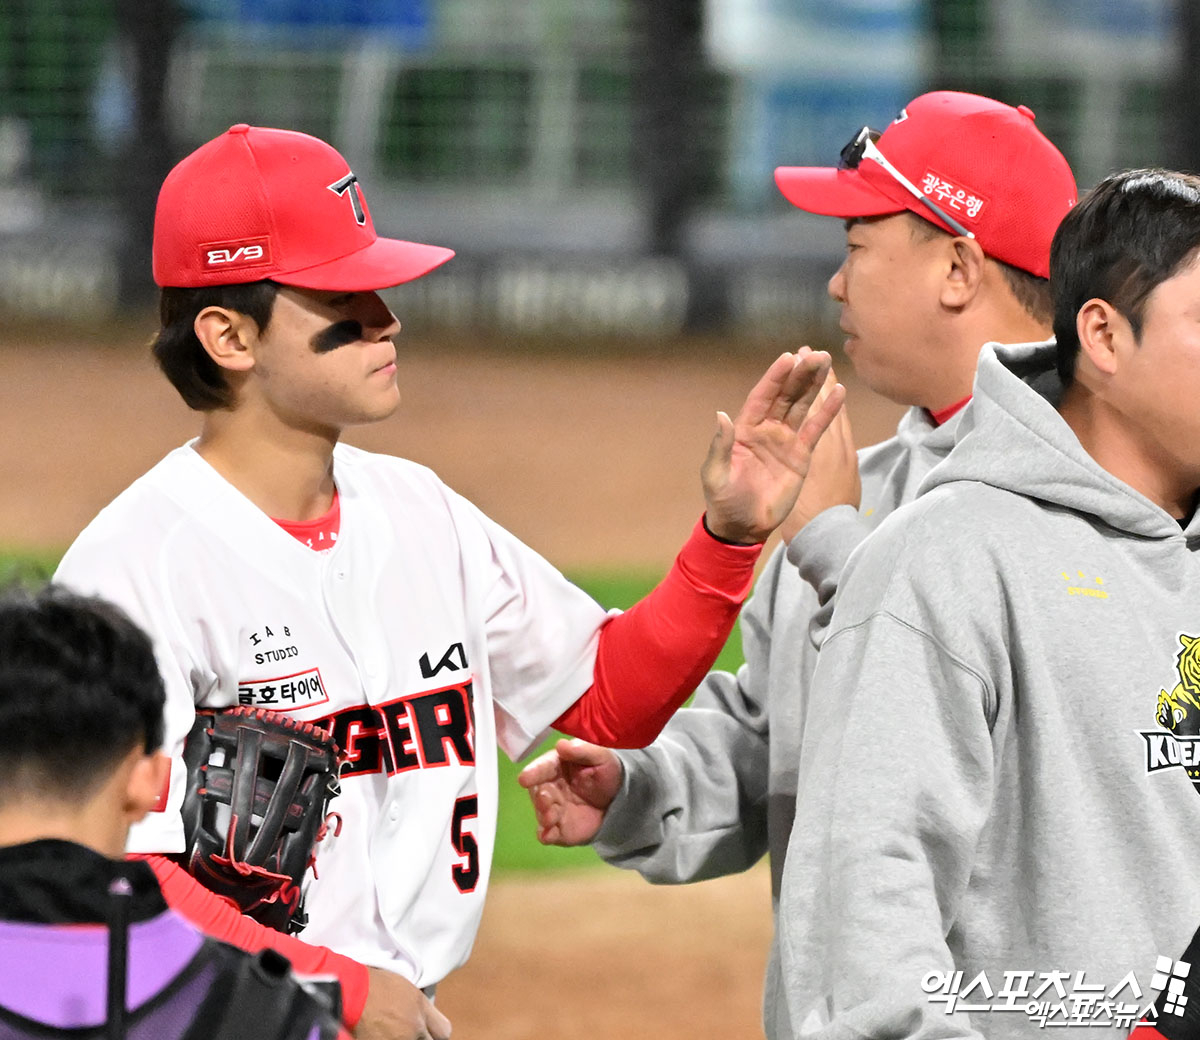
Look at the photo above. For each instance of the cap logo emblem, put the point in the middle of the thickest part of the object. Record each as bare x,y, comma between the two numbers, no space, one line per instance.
950,195
345,186
245,252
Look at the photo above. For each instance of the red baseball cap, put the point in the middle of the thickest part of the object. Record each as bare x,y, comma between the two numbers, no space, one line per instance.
258,203
983,162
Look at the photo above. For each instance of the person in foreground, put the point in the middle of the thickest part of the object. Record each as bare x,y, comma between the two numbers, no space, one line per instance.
999,767
278,568
88,947
919,297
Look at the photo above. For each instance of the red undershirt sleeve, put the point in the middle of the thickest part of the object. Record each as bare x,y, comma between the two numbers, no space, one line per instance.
212,915
654,655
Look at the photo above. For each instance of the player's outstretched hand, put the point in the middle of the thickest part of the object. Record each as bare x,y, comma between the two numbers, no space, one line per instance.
397,1010
571,788
833,478
758,461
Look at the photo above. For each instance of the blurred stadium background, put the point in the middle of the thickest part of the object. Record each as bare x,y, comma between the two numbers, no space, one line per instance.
604,169
602,166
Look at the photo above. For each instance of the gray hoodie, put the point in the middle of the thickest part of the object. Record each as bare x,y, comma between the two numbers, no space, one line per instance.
985,784
717,790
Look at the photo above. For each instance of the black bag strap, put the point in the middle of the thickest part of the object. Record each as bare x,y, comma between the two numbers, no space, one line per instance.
257,998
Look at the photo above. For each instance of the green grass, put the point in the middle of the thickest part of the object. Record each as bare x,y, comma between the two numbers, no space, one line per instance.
22,567
517,847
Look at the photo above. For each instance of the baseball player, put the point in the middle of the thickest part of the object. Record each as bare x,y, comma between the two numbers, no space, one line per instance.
279,568
81,722
949,217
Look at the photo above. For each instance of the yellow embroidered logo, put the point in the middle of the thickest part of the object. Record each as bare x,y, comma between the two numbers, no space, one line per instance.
1179,710
1085,586
1177,744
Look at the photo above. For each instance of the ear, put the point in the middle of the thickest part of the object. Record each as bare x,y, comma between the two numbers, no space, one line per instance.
964,274
148,778
228,337
1103,332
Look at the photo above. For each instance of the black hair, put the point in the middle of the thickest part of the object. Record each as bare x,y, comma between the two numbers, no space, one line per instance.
79,689
1030,291
1129,234
179,353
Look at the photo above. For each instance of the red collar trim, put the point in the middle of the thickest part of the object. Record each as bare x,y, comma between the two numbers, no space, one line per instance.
320,533
943,414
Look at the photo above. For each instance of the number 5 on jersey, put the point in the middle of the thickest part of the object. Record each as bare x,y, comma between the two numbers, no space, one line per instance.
466,875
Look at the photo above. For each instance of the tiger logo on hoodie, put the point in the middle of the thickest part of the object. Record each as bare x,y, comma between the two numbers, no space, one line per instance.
1179,710
1176,744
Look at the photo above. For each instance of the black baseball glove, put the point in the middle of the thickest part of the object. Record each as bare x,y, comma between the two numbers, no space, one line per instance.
259,787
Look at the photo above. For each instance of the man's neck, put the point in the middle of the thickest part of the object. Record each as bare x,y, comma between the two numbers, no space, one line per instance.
988,321
101,832
286,472
1120,445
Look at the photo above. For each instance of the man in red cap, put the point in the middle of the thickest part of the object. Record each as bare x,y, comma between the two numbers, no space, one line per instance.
998,794
278,568
949,217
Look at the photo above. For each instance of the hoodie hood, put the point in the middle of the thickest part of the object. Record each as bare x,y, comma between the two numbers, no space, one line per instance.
1012,437
918,432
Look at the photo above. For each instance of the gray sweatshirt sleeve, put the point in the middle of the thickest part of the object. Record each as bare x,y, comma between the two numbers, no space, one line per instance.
895,788
693,805
822,547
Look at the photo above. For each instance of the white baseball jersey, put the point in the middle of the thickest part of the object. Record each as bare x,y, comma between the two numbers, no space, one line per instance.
426,635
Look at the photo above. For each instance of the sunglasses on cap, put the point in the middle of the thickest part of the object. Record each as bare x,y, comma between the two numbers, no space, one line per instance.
862,146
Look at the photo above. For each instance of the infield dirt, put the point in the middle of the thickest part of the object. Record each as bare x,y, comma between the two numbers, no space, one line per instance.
592,460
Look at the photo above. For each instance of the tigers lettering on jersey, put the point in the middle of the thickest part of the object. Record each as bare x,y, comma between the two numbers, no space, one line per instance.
425,730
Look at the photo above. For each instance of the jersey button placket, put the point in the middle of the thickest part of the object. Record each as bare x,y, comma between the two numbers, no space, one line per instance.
348,622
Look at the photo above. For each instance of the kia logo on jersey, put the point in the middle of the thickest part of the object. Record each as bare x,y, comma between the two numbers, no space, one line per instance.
456,653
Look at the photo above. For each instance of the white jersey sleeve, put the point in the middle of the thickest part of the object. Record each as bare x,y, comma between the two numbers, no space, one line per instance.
118,566
542,632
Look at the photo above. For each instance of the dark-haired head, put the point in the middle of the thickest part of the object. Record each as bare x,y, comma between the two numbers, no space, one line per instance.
79,692
178,351
1124,238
